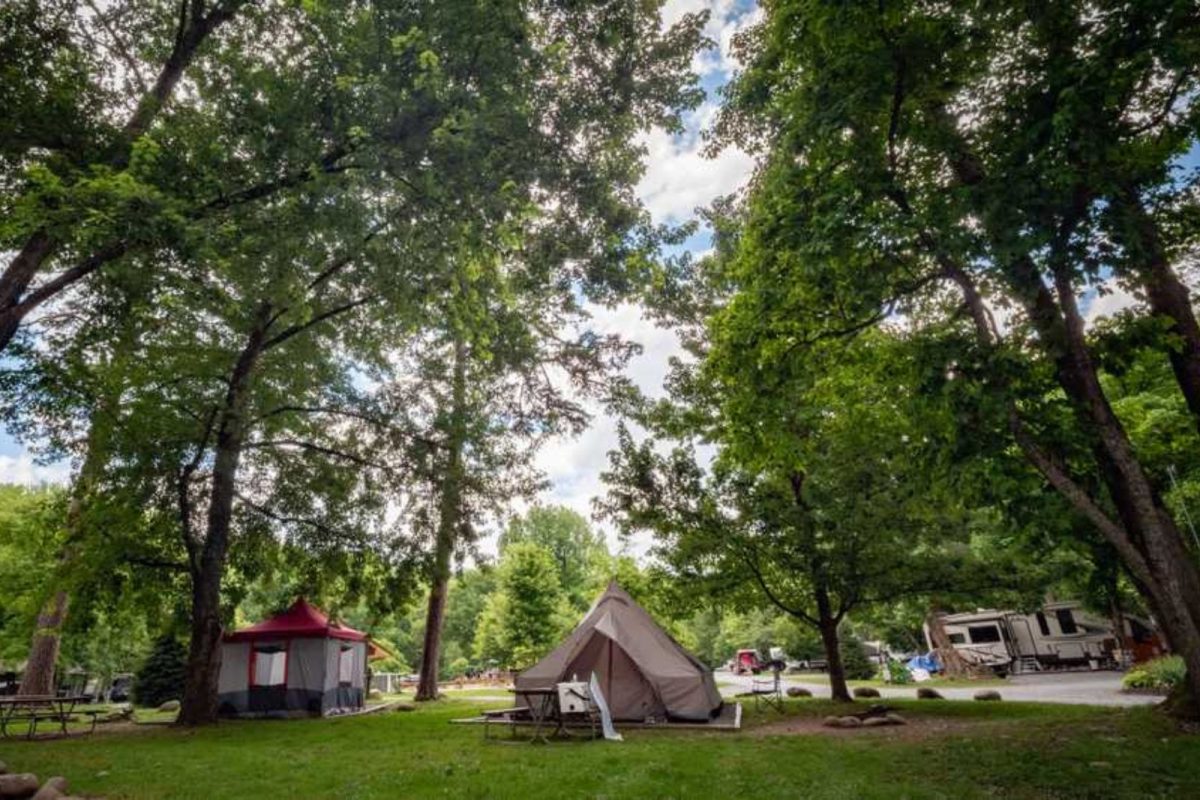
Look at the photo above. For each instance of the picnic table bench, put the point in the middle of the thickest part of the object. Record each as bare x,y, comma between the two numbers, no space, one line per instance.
545,711
32,709
508,716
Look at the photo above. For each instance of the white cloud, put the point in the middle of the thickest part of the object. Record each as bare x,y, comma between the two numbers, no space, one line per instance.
574,464
22,469
726,18
679,179
1114,300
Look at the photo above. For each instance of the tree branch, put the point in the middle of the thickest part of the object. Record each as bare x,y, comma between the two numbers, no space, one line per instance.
299,328
285,519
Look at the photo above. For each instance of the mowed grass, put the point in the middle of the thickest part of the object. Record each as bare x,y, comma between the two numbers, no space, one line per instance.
475,691
1010,750
822,678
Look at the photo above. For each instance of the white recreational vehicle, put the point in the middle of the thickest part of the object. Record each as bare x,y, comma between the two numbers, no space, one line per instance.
1059,636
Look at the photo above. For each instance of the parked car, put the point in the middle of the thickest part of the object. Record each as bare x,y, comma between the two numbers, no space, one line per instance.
746,661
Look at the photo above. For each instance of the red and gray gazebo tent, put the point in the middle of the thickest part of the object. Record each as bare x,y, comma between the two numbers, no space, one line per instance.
297,662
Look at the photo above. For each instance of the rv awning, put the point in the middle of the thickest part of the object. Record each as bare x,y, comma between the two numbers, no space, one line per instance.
300,621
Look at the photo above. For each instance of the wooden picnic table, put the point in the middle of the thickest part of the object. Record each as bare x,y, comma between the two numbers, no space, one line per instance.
33,709
543,709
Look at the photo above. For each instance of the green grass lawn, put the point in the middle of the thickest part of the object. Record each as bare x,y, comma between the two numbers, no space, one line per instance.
1011,750
946,683
477,691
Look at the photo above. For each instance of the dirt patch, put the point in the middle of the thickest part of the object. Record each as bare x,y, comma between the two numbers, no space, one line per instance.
916,728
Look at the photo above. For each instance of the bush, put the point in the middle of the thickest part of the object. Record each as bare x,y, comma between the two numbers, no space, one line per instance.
162,674
1161,674
898,672
855,661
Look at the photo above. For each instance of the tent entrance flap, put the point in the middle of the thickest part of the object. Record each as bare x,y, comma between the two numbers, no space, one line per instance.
630,696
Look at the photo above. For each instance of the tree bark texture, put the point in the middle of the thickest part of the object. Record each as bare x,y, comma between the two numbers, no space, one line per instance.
47,635
39,669
449,522
1166,294
838,689
199,704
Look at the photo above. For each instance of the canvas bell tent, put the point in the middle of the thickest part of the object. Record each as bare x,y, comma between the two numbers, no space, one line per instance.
298,662
641,670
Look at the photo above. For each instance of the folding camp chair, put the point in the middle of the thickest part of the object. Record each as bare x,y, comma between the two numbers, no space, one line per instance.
768,692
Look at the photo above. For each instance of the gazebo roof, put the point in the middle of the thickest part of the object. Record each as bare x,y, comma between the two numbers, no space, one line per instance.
301,620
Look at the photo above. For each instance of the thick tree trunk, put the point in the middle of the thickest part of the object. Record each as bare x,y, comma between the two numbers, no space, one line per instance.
1166,568
1147,539
953,664
199,702
195,26
15,280
449,523
838,689
43,651
427,686
827,624
39,669
199,705
1167,295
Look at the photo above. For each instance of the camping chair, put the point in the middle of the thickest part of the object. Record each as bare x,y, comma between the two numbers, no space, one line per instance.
769,691
575,705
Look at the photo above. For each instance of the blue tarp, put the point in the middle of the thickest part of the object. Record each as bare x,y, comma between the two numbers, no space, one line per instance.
927,662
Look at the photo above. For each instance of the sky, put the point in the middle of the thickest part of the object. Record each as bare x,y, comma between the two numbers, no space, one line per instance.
678,180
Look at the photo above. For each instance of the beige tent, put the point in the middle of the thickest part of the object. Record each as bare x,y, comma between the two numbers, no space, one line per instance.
642,671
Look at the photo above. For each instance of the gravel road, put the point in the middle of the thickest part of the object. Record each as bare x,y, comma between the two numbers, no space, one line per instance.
1081,688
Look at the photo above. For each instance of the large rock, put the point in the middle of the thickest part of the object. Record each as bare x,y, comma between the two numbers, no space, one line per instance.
404,707
987,695
798,691
119,713
876,722
927,693
865,691
847,722
53,789
22,784
896,719
842,722
170,705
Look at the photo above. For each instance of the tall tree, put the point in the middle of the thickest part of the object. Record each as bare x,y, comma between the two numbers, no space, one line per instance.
987,157
826,494
132,121
528,612
584,564
248,417
487,384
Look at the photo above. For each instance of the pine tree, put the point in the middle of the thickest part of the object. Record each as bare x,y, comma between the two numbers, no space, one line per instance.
162,674
854,659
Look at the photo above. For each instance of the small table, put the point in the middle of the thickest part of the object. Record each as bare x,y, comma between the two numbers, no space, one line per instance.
543,709
32,708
